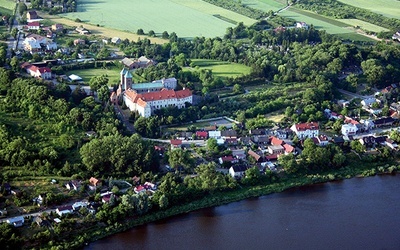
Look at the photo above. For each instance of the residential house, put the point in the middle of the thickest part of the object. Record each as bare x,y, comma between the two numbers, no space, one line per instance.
256,156
31,15
282,133
289,149
349,129
57,27
368,102
229,134
94,183
257,132
262,139
202,135
116,40
38,221
306,130
276,142
43,72
78,205
147,186
302,25
239,154
82,30
384,121
79,42
176,143
276,149
228,159
73,185
63,210
142,62
371,141
216,134
271,166
237,171
246,141
16,221
368,124
33,26
273,157
322,140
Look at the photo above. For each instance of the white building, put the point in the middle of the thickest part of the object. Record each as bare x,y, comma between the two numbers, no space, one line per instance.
146,103
369,101
237,171
349,129
306,130
216,134
16,221
302,25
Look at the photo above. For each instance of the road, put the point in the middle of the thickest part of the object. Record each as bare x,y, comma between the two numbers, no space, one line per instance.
354,95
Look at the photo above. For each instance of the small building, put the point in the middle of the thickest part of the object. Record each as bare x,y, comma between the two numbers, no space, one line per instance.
276,149
16,221
73,185
322,140
94,183
237,171
116,40
384,121
302,25
216,134
227,159
231,134
202,135
31,15
57,27
78,205
253,154
176,143
276,142
82,30
306,130
33,26
74,78
368,102
289,149
63,210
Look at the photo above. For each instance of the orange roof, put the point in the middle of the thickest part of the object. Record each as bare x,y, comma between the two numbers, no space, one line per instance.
141,103
307,126
93,181
288,148
176,142
276,141
165,94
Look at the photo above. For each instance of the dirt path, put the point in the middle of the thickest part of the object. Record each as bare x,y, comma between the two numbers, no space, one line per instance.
101,31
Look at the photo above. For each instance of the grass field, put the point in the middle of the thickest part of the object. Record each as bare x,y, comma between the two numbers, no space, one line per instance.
265,5
102,31
7,4
221,68
112,73
187,18
363,25
201,125
389,8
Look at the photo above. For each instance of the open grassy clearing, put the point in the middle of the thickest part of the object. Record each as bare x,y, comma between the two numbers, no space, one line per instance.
389,8
7,4
356,37
102,31
221,68
201,125
265,5
363,25
276,116
187,18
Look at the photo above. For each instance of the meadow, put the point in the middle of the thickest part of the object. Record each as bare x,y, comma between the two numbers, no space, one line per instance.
388,8
265,5
187,18
221,68
7,4
363,25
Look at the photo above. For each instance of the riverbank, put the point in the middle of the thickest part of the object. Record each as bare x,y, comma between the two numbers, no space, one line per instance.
220,198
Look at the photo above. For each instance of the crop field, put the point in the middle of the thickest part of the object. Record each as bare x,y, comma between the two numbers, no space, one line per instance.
187,18
221,68
265,5
363,25
7,4
388,8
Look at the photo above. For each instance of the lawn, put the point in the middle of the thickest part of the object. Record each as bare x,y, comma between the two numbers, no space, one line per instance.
363,25
221,68
112,73
7,4
187,18
388,8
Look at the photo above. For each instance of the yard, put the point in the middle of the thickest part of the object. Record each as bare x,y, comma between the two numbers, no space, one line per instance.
388,8
221,68
187,18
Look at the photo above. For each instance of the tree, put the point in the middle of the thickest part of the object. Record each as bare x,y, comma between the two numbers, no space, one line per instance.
289,163
163,201
103,93
151,33
165,35
238,89
212,146
140,32
373,71
22,8
97,82
178,158
252,176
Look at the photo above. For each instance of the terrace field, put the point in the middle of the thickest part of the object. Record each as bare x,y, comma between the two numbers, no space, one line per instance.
221,68
187,18
388,8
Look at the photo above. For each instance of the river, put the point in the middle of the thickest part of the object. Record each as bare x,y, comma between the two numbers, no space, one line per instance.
359,213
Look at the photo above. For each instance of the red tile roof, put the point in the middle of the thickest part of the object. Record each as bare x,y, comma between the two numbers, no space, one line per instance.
288,148
228,158
275,141
201,133
307,126
33,24
44,69
176,142
165,94
254,155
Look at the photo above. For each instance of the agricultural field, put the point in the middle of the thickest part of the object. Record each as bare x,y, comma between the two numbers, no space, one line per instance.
112,73
7,4
363,25
265,5
221,68
187,18
388,8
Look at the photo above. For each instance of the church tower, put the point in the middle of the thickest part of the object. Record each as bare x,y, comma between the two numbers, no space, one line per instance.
122,77
127,80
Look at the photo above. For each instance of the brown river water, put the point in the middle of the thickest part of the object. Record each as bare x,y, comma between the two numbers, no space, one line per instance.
359,213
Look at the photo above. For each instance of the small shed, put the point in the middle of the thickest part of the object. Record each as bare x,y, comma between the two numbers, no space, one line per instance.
74,78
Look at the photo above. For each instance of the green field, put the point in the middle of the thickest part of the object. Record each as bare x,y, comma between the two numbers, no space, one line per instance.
389,8
221,68
363,25
265,5
7,4
112,73
187,18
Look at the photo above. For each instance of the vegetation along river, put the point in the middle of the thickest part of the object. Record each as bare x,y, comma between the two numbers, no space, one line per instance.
359,213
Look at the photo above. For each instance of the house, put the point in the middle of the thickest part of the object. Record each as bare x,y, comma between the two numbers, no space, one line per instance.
368,102
79,42
322,140
276,149
276,142
33,26
271,166
372,141
147,103
216,134
73,185
305,130
262,140
39,200
273,157
289,149
94,183
231,141
31,15
63,210
257,132
147,186
202,135
253,154
16,221
239,154
78,205
245,141
302,25
382,122
229,134
116,40
82,30
43,72
176,143
34,42
227,159
237,171
57,27
142,62
282,133
391,144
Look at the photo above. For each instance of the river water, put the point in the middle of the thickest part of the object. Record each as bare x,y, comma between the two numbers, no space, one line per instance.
360,213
